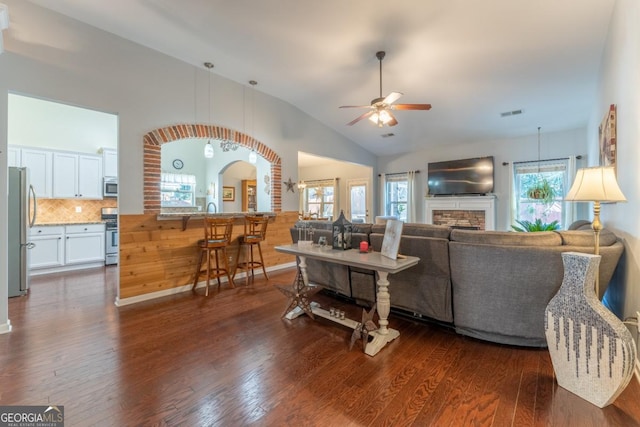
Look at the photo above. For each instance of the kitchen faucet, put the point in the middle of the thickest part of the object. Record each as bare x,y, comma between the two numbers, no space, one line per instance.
215,208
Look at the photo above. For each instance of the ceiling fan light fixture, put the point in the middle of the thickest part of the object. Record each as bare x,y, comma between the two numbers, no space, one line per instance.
379,108
381,117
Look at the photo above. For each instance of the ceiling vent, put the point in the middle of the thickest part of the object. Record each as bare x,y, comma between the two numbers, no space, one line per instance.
511,113
387,135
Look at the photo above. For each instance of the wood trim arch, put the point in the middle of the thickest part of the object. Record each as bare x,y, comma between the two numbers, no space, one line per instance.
153,140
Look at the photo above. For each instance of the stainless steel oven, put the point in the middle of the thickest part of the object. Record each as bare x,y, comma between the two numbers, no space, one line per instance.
111,254
110,218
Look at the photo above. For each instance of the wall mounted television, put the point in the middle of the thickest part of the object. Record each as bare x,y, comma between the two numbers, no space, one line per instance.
458,177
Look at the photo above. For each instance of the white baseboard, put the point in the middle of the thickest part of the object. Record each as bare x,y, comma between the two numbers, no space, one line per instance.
5,328
65,268
121,302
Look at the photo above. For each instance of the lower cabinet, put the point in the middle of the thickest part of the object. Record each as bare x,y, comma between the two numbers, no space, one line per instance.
84,243
61,248
49,247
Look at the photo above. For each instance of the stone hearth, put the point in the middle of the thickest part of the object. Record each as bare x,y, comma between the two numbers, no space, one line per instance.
463,212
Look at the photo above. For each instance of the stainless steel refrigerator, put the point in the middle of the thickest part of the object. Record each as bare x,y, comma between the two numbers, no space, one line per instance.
22,215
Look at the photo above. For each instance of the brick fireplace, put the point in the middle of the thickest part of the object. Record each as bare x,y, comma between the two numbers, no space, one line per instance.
473,212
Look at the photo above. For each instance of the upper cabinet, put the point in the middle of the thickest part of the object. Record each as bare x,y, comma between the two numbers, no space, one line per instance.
39,164
60,174
110,162
77,176
13,157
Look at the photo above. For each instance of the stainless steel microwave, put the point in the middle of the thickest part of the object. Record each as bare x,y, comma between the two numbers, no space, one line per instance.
110,187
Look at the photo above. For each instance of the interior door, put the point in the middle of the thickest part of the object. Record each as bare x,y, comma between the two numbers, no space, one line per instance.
359,209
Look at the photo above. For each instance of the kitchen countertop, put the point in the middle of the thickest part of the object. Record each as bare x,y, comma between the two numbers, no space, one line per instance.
186,216
173,215
50,224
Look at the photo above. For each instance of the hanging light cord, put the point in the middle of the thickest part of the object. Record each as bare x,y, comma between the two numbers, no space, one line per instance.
538,149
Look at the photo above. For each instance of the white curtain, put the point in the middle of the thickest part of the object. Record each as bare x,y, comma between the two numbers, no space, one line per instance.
570,211
336,196
383,194
411,197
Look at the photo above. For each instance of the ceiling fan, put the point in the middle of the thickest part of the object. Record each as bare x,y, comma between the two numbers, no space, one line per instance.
380,108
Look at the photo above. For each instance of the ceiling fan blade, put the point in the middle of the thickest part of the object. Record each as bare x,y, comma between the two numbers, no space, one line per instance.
392,97
393,120
364,116
355,106
411,106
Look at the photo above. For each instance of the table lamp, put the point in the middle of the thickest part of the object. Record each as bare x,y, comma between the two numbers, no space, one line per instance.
596,184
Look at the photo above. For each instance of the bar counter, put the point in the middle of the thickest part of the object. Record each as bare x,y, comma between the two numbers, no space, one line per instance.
186,216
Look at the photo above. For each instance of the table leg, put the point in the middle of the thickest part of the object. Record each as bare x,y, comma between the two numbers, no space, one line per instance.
303,269
384,334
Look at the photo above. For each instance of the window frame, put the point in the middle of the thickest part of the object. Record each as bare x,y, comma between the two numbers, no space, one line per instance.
559,209
392,193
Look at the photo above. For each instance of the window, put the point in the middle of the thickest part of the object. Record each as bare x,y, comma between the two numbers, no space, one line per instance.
396,191
539,189
177,190
319,198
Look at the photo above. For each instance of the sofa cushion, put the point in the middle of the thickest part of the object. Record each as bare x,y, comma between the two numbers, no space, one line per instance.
506,238
418,230
586,237
581,224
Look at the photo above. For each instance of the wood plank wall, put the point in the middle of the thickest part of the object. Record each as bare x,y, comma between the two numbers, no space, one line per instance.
156,255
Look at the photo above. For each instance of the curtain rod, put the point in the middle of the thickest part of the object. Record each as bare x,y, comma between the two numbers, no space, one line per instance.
578,157
398,173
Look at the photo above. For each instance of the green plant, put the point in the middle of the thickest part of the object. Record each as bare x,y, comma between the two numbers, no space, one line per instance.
537,225
541,190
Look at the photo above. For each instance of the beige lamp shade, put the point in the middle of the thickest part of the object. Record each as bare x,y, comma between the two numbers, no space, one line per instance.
595,184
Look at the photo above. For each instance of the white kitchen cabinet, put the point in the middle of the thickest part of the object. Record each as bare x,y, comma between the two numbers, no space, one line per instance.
13,157
77,176
84,243
110,162
49,247
39,164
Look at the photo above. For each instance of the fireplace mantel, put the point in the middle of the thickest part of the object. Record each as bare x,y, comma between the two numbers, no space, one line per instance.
463,203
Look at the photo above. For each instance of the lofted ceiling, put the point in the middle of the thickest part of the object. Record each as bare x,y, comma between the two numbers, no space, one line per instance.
472,60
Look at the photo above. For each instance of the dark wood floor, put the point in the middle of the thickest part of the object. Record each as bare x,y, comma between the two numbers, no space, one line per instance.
230,360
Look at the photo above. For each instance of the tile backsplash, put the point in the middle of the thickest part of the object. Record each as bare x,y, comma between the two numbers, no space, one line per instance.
59,211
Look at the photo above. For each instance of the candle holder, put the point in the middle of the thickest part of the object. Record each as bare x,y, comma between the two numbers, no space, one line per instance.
305,234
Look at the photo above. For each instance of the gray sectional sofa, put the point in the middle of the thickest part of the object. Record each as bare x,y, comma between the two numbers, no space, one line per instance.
489,285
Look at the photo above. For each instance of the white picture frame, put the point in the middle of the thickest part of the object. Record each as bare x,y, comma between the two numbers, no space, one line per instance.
391,239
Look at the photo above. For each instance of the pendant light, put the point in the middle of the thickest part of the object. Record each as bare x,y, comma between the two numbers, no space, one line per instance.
253,157
208,148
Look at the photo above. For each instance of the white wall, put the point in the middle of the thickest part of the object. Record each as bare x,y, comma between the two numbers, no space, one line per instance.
41,123
620,85
552,145
53,57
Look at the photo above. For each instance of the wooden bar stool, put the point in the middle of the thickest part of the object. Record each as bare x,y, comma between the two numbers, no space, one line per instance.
255,231
217,236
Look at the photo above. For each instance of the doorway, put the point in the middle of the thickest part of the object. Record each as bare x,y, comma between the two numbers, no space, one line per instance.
359,201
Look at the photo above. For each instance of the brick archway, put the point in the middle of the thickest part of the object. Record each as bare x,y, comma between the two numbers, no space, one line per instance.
153,141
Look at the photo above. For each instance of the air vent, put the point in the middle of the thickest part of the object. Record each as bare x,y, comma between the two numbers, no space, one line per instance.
511,113
387,135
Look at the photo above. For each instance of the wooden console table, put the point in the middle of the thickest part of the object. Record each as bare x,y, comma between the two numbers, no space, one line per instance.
372,261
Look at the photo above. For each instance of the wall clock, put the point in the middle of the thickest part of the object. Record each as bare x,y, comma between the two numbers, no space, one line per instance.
178,164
